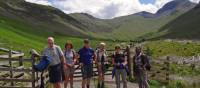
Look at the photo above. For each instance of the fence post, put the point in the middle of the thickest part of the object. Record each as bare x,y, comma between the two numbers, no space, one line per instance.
10,63
33,71
129,60
20,60
167,68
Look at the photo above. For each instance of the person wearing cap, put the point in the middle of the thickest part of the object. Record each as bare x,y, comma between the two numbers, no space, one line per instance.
101,61
86,57
119,61
53,51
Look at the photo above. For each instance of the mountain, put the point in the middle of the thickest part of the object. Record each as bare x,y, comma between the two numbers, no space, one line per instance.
51,21
93,24
145,24
175,6
169,8
145,14
185,26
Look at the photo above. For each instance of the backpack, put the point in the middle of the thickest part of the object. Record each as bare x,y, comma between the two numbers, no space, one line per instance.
146,60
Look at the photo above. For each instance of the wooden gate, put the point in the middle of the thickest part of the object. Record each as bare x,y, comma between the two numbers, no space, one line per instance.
17,71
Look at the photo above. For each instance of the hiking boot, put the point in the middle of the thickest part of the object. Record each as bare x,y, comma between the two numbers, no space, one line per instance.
102,85
88,86
98,86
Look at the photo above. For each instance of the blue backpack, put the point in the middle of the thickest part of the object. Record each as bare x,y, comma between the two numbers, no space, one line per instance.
43,64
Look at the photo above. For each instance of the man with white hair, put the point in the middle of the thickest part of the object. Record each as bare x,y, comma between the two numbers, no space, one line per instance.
53,51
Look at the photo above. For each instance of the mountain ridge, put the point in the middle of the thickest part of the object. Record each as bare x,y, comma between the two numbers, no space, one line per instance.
55,22
185,26
169,8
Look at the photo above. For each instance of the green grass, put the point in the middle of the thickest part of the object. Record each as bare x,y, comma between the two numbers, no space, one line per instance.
155,84
54,21
17,35
184,70
133,27
185,26
177,84
162,48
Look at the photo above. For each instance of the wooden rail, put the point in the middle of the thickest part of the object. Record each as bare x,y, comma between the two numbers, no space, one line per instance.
127,53
10,74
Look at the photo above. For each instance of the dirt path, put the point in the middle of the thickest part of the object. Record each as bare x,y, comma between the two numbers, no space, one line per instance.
109,83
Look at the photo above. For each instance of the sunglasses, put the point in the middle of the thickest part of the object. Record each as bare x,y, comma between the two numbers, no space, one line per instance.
117,48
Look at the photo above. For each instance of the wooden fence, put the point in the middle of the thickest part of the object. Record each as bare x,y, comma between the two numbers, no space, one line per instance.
18,72
14,74
108,71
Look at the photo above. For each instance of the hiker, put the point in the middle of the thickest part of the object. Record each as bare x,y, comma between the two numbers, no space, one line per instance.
101,61
140,68
57,56
86,56
119,62
70,58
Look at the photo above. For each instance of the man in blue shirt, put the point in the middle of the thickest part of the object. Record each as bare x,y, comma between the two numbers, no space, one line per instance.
86,55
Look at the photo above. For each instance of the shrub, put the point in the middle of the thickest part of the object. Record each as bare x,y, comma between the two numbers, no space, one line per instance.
177,84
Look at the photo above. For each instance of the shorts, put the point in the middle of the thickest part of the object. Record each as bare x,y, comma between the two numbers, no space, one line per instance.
87,71
55,74
69,71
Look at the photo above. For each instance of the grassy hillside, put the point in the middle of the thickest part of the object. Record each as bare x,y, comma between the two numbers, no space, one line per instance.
184,27
178,48
46,18
136,26
52,20
21,36
123,28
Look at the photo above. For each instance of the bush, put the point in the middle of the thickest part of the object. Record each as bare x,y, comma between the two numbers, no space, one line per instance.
155,84
177,84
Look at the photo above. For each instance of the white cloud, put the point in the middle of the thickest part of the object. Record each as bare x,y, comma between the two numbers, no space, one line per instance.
195,1
43,2
104,8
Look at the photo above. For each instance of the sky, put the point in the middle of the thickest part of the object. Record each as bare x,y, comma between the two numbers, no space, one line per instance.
105,9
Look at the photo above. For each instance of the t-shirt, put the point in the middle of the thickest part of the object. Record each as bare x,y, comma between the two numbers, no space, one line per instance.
55,53
119,58
86,55
69,55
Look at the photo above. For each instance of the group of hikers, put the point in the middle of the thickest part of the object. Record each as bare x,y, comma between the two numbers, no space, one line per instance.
62,67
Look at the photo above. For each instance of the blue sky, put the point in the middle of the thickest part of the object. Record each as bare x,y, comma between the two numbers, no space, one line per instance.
147,1
105,9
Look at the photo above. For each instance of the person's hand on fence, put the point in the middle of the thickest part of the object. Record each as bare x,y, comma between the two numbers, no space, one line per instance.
81,64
